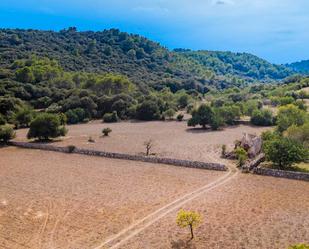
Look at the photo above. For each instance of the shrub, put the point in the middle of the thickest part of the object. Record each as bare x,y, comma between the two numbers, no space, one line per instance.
262,118
180,117
110,117
23,117
6,133
106,131
169,113
46,126
216,122
284,152
148,110
299,246
75,116
290,115
242,156
299,134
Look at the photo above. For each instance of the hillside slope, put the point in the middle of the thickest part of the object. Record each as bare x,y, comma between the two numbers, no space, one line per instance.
300,67
145,62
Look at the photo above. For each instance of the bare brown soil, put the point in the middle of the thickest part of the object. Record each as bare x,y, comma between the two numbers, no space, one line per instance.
171,138
248,212
55,200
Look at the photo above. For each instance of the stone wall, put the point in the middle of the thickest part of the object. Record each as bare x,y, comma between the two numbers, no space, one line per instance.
251,164
281,173
159,160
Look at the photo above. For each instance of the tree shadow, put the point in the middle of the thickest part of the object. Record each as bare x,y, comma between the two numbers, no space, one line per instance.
202,130
182,244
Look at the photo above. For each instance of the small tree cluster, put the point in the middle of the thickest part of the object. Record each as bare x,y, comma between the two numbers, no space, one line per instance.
46,126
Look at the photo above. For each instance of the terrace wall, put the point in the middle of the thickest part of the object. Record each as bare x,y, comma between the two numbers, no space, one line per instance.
159,160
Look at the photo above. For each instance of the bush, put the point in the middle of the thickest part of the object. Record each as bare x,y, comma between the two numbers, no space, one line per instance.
6,133
169,113
299,246
110,117
106,131
299,134
23,117
148,110
75,116
284,152
46,126
262,118
180,117
290,115
242,156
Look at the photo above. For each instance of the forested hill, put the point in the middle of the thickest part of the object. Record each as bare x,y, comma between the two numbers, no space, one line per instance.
300,67
238,64
145,62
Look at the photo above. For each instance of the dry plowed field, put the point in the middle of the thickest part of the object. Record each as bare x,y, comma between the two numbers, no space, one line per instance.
54,200
171,139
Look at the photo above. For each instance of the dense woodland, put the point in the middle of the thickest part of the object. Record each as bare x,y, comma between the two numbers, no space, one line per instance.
300,67
143,61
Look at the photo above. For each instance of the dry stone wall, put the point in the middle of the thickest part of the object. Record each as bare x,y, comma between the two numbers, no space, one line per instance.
159,160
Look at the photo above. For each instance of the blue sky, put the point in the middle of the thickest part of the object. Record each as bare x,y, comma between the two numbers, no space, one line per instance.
276,30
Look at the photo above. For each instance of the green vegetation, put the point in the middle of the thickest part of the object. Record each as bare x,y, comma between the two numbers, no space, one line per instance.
299,246
46,126
189,219
241,155
6,133
106,131
284,152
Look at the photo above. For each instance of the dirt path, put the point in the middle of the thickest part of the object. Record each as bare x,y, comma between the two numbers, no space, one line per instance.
137,227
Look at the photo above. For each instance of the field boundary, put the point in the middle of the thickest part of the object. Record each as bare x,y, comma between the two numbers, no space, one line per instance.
150,159
281,173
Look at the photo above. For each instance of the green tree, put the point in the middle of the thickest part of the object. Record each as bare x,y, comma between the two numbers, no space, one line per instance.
46,126
23,117
203,116
189,219
299,134
6,133
284,152
290,115
110,117
148,110
262,118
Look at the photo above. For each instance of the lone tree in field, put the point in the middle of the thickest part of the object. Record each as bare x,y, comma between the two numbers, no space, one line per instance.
203,116
189,219
46,126
148,146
